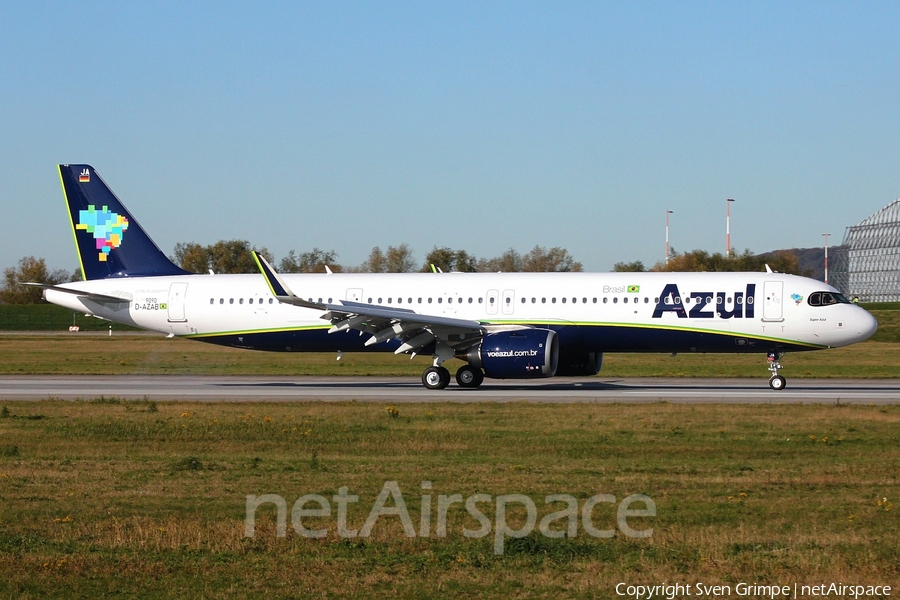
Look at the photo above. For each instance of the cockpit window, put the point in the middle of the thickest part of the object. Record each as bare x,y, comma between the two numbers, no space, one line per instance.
826,299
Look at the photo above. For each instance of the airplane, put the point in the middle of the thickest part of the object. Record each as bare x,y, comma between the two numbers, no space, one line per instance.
501,325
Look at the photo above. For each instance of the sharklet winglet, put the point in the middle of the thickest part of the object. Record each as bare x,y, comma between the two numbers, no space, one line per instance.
278,287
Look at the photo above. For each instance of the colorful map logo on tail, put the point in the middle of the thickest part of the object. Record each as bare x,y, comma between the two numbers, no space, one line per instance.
107,228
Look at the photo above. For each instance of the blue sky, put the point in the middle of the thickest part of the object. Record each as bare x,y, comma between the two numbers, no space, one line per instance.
480,125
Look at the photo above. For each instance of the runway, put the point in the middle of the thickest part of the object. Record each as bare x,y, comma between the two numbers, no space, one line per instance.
407,389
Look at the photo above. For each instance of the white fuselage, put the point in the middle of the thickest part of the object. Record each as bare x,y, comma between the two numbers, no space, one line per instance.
604,312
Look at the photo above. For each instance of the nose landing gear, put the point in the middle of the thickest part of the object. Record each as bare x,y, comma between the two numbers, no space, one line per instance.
776,381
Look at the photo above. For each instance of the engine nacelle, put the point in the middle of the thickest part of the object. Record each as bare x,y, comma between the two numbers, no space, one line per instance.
579,364
517,354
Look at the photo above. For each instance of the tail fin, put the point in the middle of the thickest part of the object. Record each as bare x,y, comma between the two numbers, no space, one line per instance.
109,240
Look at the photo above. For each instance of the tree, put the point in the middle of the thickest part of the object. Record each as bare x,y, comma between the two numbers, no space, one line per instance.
191,257
375,263
554,260
632,267
701,260
313,261
783,261
449,260
538,260
508,262
29,270
225,256
397,259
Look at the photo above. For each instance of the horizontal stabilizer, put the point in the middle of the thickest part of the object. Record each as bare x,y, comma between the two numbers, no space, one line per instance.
101,298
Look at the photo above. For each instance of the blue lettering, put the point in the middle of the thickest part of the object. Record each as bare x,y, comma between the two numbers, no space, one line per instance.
697,311
742,305
751,294
670,293
736,312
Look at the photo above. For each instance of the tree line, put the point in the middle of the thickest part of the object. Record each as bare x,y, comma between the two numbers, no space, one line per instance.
233,256
782,261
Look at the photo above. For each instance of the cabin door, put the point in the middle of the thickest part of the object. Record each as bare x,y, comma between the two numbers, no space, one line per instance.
772,293
177,294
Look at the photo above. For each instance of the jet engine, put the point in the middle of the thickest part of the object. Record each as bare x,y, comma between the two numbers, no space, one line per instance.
579,363
516,354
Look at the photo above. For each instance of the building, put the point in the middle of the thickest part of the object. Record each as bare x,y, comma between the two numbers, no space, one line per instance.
867,264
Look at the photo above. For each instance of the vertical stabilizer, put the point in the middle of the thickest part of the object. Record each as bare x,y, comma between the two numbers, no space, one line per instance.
109,240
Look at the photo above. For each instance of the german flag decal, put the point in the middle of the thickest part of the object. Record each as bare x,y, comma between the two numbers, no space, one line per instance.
634,289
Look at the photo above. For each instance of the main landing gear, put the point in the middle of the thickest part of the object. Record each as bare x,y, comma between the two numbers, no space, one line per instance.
469,376
438,377
776,381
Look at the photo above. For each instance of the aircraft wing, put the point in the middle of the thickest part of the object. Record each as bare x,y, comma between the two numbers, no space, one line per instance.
100,298
384,323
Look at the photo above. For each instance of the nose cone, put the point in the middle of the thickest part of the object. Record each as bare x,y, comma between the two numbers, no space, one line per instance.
864,324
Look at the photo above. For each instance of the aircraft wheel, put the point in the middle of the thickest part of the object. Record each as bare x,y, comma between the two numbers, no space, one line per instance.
436,378
777,383
469,377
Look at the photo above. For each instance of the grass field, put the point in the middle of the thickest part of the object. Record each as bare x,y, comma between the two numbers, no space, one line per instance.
107,498
130,354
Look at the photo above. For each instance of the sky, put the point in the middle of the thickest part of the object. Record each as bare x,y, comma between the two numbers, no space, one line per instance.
475,125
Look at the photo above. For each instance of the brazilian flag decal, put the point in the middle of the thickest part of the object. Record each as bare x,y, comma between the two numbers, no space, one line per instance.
634,289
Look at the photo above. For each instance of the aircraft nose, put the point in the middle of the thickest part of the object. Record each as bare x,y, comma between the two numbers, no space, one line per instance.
865,323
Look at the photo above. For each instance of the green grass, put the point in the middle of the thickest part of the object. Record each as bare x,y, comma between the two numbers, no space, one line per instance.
129,354
112,498
888,317
49,317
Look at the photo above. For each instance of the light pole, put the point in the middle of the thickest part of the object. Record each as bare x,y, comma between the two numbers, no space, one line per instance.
728,202
668,212
826,256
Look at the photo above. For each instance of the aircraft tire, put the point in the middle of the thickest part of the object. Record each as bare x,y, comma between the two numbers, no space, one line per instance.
777,383
435,378
469,377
